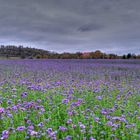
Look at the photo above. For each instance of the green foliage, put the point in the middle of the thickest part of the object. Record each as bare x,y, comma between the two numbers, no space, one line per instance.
11,51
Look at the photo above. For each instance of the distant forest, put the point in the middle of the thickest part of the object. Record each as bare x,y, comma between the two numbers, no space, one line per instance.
11,51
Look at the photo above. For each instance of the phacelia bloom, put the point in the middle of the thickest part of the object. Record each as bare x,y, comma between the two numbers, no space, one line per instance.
5,134
14,108
28,121
40,124
138,103
30,127
108,117
9,102
51,133
38,100
109,123
82,126
77,103
99,97
96,119
49,130
91,138
24,94
62,128
9,115
20,128
1,110
80,100
73,126
64,101
70,113
68,137
130,125
33,133
69,121
14,89
42,109
104,111
115,125
130,92
116,118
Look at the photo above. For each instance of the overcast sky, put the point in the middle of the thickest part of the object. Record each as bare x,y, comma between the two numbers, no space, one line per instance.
112,26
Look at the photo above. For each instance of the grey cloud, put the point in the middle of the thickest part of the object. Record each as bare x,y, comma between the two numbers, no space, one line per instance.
72,25
90,27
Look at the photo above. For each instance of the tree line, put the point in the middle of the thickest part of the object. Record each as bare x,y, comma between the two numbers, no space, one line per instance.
11,51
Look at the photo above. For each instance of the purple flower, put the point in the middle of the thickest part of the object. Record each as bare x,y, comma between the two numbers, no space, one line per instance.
99,97
91,138
9,115
82,126
40,124
1,110
70,113
138,103
64,101
73,126
109,123
28,121
69,121
96,119
115,125
20,128
5,134
14,89
108,117
68,137
104,112
51,133
62,128
30,127
116,118
14,108
129,92
38,100
80,100
33,133
24,94
49,130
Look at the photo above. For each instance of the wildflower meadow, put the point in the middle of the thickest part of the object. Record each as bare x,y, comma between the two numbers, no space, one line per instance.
69,99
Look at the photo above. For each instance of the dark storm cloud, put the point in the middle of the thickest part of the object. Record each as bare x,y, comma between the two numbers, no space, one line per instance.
89,27
72,25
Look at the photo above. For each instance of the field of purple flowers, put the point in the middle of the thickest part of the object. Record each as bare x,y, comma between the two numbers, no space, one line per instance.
70,99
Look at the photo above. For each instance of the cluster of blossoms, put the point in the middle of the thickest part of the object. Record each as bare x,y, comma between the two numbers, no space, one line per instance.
1,110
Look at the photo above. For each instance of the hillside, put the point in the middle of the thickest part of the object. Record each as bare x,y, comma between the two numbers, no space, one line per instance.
22,52
11,51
